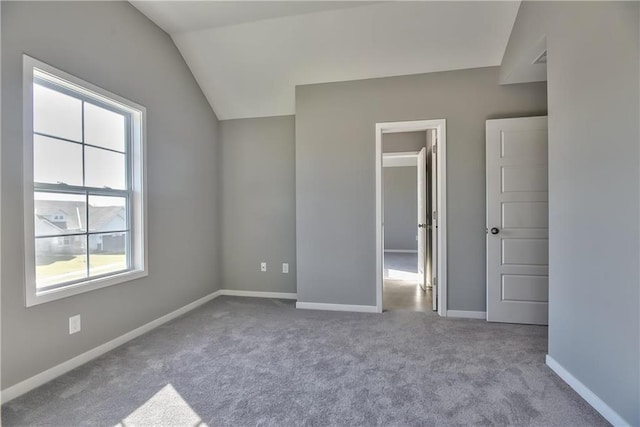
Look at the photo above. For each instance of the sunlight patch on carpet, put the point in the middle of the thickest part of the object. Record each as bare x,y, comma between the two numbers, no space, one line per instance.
165,408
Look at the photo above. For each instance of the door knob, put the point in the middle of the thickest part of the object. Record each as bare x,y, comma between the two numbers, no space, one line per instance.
495,230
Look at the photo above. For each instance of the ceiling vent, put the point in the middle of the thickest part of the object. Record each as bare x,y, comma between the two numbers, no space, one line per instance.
541,59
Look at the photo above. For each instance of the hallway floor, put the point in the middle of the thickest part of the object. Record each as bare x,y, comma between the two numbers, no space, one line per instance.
401,290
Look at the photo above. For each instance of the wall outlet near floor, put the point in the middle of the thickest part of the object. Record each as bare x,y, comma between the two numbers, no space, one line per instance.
74,324
263,266
285,267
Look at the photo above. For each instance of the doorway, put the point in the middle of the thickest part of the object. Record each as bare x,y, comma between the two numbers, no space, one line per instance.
403,284
411,252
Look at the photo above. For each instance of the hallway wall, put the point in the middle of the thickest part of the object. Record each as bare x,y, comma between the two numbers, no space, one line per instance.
400,208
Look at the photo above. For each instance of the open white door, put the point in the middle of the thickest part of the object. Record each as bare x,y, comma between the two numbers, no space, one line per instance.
517,221
434,222
422,218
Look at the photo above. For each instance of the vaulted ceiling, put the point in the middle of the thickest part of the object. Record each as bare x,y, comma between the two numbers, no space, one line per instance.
248,56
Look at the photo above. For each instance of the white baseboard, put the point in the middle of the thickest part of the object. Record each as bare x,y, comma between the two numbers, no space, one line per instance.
258,294
37,380
467,314
402,251
598,404
337,307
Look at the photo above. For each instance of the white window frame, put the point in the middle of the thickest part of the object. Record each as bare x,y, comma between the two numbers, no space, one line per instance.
138,203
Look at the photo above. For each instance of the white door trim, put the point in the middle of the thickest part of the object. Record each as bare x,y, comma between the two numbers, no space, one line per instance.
415,126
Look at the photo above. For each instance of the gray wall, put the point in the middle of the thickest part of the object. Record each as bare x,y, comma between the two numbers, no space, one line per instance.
258,203
400,207
335,176
115,47
593,78
403,142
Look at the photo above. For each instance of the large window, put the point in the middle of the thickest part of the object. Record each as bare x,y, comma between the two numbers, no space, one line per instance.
84,180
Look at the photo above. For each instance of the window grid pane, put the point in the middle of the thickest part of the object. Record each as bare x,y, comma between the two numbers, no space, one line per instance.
104,128
56,113
112,174
107,253
59,260
59,214
56,161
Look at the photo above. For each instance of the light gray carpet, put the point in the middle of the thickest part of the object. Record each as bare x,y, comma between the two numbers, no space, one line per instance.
248,361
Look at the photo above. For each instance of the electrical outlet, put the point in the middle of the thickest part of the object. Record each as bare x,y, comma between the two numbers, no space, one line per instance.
263,266
74,324
285,267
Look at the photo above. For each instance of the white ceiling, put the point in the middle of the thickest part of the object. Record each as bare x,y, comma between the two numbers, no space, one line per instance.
249,56
185,15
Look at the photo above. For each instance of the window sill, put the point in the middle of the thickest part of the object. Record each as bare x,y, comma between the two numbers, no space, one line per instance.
35,298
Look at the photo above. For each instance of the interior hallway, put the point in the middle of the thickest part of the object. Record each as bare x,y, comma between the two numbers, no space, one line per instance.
401,290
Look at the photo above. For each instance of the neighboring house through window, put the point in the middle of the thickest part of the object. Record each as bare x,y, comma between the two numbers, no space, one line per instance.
84,185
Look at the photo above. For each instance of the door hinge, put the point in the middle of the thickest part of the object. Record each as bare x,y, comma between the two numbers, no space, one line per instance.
435,281
435,215
433,148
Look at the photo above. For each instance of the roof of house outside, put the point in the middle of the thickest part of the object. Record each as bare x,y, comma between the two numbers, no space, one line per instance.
76,214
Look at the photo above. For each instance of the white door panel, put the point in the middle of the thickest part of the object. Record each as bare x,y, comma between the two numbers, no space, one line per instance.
525,215
517,212
524,178
525,288
523,144
524,252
